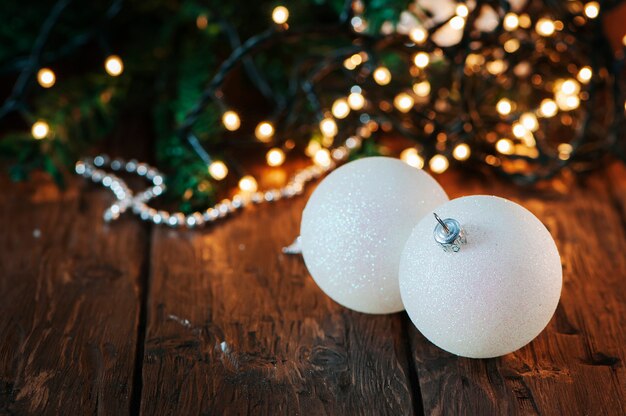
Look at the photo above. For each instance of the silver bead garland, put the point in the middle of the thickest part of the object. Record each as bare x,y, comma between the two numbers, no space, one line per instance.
96,169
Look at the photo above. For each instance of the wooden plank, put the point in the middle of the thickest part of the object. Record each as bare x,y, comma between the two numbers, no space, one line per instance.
235,327
69,301
576,366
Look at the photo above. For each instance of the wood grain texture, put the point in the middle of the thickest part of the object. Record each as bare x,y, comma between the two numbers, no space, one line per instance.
69,301
576,366
235,328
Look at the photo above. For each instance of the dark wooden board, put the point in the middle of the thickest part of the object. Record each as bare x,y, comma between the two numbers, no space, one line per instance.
235,327
69,301
576,366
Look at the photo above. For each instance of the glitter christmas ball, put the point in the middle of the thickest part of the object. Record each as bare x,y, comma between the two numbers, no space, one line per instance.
494,295
355,225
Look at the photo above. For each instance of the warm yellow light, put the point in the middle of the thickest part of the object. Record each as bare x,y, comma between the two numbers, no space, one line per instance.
248,184
280,14
356,101
421,59
40,129
231,120
624,40
570,87
584,75
519,130
340,108
422,89
565,149
438,163
461,152
356,59
328,127
548,108
322,158
264,131
545,27
46,78
496,66
592,9
505,146
418,35
412,158
348,64
382,76
275,157
524,21
529,121
457,23
462,10
511,21
403,102
312,148
511,45
572,102
504,107
114,65
218,170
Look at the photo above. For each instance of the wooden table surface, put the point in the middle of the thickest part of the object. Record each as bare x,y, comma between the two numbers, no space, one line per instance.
128,318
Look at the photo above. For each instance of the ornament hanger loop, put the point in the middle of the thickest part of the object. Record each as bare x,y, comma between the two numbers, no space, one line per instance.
449,234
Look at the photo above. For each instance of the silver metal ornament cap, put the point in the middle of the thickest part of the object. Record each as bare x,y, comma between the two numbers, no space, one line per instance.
449,234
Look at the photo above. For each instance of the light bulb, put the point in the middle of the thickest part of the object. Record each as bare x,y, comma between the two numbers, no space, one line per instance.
565,149
461,152
382,76
511,21
457,23
504,107
462,10
584,75
412,158
548,108
356,101
418,35
529,121
280,14
248,184
356,59
438,163
519,130
328,127
114,65
545,27
570,87
231,120
312,148
46,77
322,158
275,157
592,9
505,146
40,129
218,170
421,59
403,102
511,45
422,89
340,108
264,131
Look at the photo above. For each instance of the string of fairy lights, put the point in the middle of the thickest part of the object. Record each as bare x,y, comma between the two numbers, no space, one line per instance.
493,105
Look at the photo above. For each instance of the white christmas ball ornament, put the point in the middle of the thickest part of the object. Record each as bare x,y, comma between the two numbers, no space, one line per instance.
492,296
355,225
